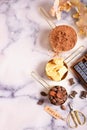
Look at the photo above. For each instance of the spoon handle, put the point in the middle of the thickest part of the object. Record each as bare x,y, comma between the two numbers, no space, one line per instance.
46,17
40,80
74,54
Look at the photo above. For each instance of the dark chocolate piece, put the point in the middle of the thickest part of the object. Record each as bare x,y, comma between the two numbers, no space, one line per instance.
72,94
71,81
83,94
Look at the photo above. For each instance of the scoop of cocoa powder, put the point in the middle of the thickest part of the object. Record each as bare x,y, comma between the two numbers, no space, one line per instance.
62,38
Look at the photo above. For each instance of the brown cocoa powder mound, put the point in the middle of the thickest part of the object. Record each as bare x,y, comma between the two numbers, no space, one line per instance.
62,38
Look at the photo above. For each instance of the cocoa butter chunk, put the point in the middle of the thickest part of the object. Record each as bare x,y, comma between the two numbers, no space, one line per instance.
83,94
40,102
72,94
71,81
43,93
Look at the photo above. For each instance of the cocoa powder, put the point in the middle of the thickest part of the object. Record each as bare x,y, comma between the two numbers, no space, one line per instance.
62,38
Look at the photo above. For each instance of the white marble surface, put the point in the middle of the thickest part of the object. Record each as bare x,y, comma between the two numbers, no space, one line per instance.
24,47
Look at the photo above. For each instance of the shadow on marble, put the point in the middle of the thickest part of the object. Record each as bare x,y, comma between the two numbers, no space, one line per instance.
44,39
41,69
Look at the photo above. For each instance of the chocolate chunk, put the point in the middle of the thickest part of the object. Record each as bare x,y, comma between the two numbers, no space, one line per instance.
40,102
43,93
73,94
71,81
57,95
83,94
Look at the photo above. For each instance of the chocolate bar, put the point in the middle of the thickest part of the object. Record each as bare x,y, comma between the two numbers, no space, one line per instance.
80,69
